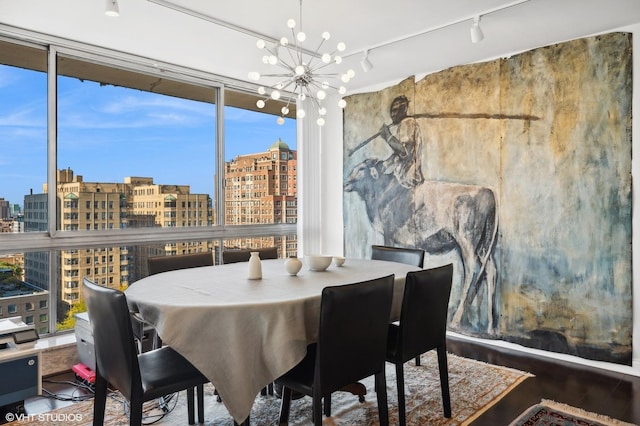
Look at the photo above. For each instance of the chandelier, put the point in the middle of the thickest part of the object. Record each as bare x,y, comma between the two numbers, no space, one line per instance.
301,72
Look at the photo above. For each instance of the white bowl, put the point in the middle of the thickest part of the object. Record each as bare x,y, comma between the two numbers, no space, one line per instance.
338,260
317,262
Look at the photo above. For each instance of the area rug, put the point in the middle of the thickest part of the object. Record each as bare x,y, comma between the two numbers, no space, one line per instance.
475,386
548,413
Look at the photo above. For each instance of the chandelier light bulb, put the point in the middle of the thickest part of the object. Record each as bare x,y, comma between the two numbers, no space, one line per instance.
284,41
351,73
326,36
262,90
255,76
300,69
291,23
280,121
275,95
341,47
342,103
273,59
301,36
320,121
345,78
326,58
284,110
322,111
261,44
325,85
321,94
338,59
265,59
302,96
300,113
342,90
260,104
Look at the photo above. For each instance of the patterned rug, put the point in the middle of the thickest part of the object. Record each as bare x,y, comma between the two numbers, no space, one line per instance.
475,386
550,413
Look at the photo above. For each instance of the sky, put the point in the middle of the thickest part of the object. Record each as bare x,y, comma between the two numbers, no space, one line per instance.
106,133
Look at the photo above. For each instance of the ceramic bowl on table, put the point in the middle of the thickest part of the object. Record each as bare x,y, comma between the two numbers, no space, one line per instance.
317,262
338,260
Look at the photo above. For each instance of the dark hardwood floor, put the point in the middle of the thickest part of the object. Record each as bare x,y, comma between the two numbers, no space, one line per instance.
601,391
609,393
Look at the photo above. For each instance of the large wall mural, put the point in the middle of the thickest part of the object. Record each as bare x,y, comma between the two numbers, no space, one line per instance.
519,172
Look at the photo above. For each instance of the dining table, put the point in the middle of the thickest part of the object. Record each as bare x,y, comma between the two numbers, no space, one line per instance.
244,333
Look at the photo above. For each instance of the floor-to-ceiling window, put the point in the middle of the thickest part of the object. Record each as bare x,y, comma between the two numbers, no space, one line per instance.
110,159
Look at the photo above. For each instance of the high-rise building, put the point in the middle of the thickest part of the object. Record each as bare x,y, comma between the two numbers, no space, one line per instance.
262,188
137,202
5,210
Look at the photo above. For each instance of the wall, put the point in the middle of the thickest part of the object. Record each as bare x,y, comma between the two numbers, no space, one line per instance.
332,199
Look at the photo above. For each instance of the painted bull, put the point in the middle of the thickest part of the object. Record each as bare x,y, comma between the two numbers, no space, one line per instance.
438,217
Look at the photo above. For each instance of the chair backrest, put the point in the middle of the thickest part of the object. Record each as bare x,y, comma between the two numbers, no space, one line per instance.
242,255
115,350
352,337
423,319
182,261
398,254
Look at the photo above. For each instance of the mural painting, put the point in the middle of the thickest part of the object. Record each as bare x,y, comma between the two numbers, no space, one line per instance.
519,172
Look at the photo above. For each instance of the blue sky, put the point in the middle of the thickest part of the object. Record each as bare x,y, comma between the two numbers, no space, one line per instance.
106,133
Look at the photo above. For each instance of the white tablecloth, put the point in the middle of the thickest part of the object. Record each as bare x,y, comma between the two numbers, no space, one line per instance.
242,334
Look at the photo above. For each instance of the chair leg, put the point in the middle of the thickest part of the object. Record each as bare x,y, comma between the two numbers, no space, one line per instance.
200,393
285,406
99,400
190,407
135,410
402,419
381,393
317,410
444,380
327,405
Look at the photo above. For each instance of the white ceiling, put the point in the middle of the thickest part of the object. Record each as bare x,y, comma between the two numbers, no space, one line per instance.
155,29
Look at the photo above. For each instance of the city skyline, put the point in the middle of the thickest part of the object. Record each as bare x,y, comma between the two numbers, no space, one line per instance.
129,132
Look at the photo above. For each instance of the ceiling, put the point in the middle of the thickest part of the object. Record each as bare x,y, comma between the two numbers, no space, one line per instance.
404,37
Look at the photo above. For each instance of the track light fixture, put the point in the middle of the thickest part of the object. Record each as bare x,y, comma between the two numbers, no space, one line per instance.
112,8
476,31
365,62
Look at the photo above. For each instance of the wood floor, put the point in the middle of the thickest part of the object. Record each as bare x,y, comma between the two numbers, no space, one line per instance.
609,393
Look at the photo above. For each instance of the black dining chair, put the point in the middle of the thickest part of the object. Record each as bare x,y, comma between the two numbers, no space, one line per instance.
242,255
406,255
398,254
139,377
352,339
156,265
422,327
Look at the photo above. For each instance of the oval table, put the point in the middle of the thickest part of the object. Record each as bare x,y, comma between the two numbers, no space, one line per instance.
240,333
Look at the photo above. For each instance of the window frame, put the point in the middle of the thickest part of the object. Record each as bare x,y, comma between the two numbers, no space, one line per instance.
53,240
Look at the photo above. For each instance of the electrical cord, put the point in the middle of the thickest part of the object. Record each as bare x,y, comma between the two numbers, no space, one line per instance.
163,406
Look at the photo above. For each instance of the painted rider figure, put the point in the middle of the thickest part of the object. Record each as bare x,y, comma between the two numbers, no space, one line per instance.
405,163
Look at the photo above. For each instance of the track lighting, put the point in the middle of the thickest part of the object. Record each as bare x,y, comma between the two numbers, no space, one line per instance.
112,8
476,31
365,62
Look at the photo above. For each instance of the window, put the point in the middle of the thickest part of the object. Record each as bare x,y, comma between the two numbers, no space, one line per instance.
108,118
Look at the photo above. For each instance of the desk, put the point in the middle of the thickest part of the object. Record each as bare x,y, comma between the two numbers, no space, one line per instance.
242,334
